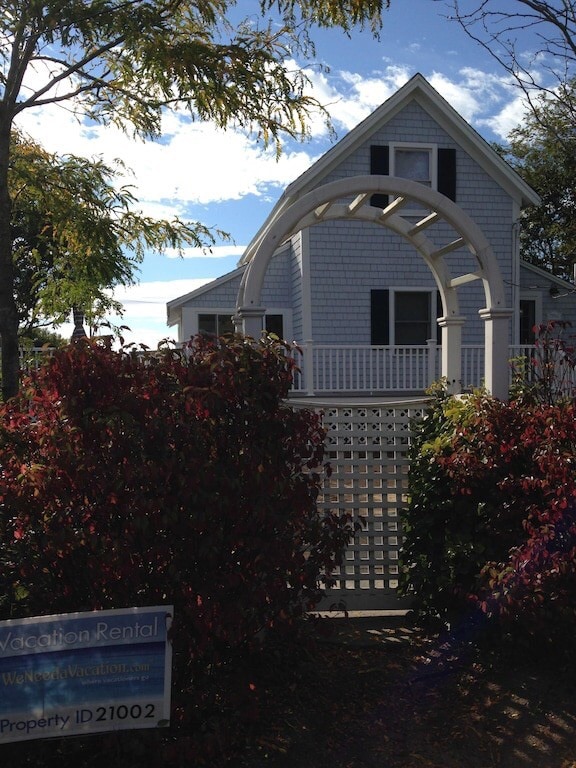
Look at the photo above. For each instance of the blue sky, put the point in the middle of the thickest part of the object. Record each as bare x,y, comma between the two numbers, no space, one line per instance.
226,180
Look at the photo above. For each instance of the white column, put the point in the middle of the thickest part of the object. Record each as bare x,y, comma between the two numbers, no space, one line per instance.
432,352
452,352
252,319
308,366
306,285
497,351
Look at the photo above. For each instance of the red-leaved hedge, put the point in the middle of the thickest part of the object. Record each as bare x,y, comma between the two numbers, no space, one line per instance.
183,479
491,523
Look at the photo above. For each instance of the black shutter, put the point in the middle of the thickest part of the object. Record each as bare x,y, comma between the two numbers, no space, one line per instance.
439,313
379,165
379,317
447,172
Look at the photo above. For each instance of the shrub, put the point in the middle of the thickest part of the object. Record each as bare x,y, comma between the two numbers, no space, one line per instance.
546,376
181,479
491,523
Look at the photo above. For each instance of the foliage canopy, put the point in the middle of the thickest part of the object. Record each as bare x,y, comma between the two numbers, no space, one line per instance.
543,151
125,61
76,234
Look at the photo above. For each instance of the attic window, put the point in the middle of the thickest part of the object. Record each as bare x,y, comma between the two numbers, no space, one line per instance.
414,164
433,166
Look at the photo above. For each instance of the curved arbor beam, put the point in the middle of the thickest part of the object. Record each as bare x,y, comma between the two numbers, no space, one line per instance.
350,199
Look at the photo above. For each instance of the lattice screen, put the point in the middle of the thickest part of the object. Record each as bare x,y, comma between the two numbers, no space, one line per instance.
366,446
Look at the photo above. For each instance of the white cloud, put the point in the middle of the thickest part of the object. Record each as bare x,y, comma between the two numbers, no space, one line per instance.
194,163
508,118
484,99
462,96
350,96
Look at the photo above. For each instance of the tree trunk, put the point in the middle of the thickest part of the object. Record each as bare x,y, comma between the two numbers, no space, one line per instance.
8,312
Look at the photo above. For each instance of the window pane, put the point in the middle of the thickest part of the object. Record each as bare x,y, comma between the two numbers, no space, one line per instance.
412,317
412,333
216,325
275,325
225,324
413,164
207,324
527,321
379,316
412,306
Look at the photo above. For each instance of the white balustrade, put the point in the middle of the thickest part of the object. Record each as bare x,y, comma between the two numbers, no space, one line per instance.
337,368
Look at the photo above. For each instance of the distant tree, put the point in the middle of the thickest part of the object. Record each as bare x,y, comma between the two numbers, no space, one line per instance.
543,151
124,61
75,235
42,337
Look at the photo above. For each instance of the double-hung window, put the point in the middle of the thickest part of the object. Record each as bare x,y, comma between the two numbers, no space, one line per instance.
428,164
404,317
530,315
412,317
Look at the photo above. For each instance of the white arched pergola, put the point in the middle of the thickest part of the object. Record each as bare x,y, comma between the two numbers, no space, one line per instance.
332,201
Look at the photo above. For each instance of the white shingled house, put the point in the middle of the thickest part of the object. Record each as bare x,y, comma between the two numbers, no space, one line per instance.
391,261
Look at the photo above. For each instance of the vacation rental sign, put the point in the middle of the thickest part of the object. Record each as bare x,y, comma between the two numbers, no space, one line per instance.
83,673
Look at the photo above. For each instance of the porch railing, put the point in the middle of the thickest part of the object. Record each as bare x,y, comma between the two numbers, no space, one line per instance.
337,368
328,369
33,357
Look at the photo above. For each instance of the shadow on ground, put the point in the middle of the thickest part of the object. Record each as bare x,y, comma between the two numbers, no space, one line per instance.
368,693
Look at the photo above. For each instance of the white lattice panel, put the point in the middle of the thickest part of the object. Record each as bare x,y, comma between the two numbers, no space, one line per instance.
366,447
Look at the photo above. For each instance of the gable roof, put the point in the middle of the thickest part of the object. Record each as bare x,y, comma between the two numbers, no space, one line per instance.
417,89
174,305
543,273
